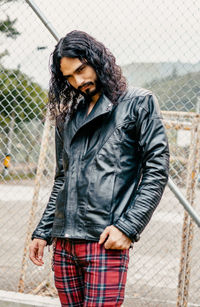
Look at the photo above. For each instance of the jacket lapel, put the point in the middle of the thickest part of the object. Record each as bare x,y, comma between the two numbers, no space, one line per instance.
80,120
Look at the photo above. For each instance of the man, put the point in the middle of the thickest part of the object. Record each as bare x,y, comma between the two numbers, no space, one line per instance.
112,166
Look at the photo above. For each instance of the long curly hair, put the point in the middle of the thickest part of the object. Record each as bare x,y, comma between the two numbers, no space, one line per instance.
63,98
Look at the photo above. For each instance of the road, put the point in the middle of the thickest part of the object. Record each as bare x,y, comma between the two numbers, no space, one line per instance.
154,260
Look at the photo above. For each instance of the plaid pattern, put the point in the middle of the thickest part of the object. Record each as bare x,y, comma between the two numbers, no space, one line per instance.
86,274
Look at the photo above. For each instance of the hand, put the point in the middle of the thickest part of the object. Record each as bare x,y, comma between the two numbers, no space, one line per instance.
116,239
36,251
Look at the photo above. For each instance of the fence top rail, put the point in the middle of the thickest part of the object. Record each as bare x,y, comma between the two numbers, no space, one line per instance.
181,114
177,125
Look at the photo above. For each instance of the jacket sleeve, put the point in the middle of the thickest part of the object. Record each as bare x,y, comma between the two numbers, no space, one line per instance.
154,151
44,228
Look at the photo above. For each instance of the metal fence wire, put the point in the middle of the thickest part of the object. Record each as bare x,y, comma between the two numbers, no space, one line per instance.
157,45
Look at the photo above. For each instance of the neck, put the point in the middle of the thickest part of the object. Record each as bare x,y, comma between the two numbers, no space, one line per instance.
93,102
95,98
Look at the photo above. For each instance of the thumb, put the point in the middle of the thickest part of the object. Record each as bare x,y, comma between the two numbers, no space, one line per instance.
104,235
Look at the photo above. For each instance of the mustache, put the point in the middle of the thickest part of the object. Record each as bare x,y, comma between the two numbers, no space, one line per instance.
85,84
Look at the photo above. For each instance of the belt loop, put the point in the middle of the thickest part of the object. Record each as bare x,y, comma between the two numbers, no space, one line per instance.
73,247
62,243
54,243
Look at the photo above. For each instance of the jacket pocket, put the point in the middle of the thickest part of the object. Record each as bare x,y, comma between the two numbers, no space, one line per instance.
100,193
60,204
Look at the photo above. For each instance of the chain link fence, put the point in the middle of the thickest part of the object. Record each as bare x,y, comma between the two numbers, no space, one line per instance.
157,45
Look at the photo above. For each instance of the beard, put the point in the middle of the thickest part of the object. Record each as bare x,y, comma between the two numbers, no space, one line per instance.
88,94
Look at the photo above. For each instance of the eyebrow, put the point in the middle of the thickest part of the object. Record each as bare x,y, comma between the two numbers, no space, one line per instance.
83,64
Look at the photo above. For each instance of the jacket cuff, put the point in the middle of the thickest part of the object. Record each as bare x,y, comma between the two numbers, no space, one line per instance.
133,235
49,240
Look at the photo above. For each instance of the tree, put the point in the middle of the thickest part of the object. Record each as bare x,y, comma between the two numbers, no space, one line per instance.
19,96
7,28
22,100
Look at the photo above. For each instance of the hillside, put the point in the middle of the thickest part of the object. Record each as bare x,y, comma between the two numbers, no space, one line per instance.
177,85
140,73
178,93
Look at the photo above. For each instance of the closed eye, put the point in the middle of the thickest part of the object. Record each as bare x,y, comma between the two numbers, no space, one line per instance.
81,68
78,70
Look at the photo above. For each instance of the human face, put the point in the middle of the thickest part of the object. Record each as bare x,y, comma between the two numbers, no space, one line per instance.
80,75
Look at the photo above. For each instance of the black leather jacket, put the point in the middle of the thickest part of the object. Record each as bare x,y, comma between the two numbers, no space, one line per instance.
112,167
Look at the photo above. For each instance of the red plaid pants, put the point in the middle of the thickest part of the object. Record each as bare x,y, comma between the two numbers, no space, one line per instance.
87,274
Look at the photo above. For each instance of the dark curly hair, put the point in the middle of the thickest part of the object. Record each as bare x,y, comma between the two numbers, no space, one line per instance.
63,98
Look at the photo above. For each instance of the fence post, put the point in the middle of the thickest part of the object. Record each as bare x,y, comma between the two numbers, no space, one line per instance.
40,168
38,177
188,226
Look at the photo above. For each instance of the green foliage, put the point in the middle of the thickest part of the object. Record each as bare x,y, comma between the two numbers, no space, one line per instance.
17,177
4,53
7,27
20,97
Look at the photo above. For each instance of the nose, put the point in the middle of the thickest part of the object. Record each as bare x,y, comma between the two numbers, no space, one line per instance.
79,80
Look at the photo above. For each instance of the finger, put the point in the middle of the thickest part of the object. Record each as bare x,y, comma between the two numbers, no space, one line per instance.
36,250
37,262
33,256
40,253
104,235
112,243
108,244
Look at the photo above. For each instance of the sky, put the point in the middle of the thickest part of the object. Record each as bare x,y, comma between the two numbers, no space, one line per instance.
134,30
